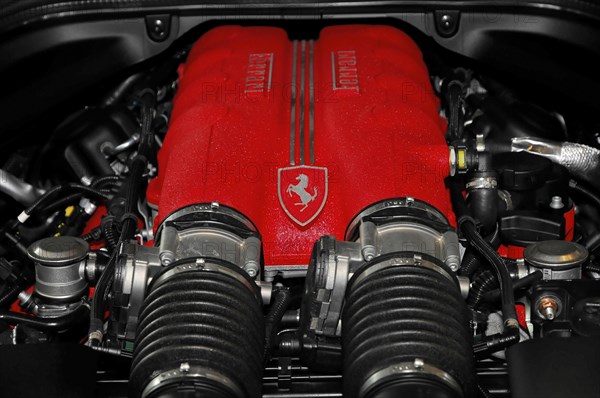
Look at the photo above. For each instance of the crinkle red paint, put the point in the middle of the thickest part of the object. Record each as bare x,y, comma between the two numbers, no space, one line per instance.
371,109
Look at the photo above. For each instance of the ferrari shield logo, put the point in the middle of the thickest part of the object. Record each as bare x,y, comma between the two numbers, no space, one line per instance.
302,192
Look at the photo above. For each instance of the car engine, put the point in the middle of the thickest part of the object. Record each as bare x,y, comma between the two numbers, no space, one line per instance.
263,215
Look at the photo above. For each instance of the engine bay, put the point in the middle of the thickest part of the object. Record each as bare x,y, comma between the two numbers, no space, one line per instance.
262,215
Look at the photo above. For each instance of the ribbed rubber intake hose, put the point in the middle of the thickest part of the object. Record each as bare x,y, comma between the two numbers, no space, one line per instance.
200,333
406,331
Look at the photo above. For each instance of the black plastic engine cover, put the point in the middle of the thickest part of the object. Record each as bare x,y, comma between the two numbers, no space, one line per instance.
555,368
47,370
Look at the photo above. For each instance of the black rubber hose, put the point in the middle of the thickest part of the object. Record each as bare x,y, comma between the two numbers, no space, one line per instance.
589,194
483,203
46,324
94,235
60,204
281,302
291,319
99,301
454,106
467,225
485,282
109,230
493,258
497,342
471,261
41,202
526,281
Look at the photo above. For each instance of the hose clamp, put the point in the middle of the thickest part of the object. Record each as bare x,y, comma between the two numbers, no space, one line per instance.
482,183
398,260
187,373
213,208
205,265
415,368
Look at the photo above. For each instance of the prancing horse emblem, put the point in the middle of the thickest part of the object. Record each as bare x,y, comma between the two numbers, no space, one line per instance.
302,192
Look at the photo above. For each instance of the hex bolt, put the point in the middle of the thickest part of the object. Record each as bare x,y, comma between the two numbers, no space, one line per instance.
368,253
548,307
368,240
166,257
251,269
24,297
453,264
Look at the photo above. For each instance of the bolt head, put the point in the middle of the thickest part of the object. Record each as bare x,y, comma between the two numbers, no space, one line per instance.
368,253
446,20
166,258
419,363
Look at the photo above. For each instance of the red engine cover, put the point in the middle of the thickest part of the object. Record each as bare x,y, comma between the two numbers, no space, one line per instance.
301,135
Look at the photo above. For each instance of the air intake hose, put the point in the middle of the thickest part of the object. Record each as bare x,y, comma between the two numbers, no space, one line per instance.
406,331
200,333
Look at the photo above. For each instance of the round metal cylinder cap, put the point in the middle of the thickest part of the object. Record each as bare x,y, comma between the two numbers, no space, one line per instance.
556,254
58,251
